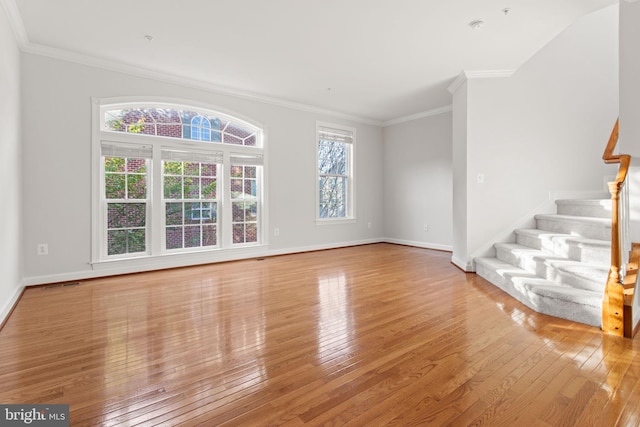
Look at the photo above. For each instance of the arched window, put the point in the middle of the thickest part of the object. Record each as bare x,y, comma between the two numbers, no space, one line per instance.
200,128
171,179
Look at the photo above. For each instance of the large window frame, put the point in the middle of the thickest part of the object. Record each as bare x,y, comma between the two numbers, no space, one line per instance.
211,228
335,172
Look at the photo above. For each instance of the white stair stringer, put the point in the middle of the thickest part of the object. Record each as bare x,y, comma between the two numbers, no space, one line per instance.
559,268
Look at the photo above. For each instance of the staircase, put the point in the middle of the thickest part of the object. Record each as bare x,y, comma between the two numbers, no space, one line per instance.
559,268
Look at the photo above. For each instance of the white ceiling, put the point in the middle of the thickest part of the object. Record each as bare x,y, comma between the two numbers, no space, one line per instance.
377,60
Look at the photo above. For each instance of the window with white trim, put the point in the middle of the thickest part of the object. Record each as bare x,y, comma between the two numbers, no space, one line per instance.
334,172
200,128
171,179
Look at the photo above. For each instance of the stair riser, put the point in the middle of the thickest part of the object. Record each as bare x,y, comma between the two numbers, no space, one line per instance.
538,266
595,254
590,315
584,230
569,279
596,210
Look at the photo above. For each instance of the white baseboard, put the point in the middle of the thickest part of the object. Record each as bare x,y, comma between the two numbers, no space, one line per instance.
184,260
6,311
140,265
462,265
424,245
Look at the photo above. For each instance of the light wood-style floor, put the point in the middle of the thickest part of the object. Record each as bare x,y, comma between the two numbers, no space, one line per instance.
371,335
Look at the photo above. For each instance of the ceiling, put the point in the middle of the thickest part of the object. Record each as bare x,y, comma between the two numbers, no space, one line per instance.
375,60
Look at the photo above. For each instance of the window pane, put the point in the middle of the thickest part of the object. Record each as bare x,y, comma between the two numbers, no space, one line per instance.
117,242
120,242
251,233
250,211
181,124
238,233
192,169
136,240
191,188
193,213
137,165
174,237
208,169
137,186
173,187
135,214
185,219
236,188
251,141
250,188
172,168
209,237
333,197
232,139
238,211
192,236
114,164
125,178
115,186
116,217
332,157
209,186
173,214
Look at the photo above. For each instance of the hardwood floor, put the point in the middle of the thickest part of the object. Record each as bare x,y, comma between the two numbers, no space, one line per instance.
371,335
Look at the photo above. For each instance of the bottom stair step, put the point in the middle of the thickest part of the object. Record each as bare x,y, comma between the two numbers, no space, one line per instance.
541,295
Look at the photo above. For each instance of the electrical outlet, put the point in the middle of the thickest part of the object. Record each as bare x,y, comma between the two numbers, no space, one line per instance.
426,227
369,225
480,178
276,232
43,249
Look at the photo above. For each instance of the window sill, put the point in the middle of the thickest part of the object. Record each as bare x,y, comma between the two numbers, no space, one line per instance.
335,221
174,260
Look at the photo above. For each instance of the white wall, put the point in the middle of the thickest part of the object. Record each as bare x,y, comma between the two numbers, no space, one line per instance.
629,142
629,81
10,169
57,141
417,182
459,185
540,131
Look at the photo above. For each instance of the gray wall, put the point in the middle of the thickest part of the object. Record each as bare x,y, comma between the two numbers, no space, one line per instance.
629,142
57,142
10,169
417,182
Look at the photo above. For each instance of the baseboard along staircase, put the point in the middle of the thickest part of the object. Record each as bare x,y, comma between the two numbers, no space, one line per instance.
559,268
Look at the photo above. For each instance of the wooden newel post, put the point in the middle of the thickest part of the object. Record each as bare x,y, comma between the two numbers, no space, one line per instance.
613,302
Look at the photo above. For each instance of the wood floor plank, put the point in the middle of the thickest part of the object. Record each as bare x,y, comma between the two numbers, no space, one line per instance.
377,335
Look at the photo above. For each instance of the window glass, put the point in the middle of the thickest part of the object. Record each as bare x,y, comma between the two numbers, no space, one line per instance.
335,153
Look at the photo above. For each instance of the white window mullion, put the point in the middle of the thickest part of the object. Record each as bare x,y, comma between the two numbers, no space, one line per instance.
226,234
156,205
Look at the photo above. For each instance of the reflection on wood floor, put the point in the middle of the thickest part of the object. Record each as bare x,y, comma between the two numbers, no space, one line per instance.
371,335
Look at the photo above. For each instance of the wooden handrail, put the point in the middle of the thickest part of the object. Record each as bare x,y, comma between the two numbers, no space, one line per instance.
613,301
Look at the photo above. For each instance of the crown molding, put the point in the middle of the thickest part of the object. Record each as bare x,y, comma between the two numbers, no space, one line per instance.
138,71
478,74
417,116
26,46
15,22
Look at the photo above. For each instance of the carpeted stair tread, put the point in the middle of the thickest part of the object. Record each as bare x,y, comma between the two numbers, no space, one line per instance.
542,295
596,228
585,249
